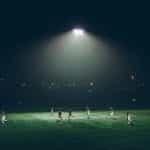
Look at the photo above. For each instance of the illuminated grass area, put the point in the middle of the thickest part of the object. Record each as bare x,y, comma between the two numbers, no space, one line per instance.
43,131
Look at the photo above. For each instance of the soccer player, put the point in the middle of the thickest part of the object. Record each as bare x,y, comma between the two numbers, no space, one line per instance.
129,119
111,112
69,115
88,112
52,109
60,115
3,118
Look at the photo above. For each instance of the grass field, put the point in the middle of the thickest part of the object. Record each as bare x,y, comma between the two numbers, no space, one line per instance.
101,132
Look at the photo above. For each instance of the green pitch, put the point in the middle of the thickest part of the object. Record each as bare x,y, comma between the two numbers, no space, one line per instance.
101,132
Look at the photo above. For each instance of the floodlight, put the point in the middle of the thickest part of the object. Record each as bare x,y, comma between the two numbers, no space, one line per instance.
78,32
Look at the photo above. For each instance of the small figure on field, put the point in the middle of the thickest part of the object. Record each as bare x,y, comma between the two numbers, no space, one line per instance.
3,118
88,112
111,111
60,115
69,115
129,119
52,109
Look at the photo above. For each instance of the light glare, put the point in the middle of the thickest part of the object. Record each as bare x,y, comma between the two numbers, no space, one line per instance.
78,32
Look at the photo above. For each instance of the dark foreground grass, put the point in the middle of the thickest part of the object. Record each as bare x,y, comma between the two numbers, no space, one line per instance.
101,132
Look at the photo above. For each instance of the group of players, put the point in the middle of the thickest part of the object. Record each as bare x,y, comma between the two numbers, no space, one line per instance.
60,116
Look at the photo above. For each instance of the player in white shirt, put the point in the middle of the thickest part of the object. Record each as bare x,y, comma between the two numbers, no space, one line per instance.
129,119
52,109
111,112
88,112
3,118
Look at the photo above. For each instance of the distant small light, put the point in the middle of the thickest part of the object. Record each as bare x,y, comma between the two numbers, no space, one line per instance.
132,77
133,100
78,32
52,83
91,83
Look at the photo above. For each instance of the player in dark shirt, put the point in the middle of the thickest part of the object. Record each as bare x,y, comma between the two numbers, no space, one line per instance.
60,115
69,115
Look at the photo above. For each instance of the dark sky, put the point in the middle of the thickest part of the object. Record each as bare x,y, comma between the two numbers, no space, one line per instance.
125,24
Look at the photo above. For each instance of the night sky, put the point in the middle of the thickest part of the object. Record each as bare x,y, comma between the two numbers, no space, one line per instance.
24,26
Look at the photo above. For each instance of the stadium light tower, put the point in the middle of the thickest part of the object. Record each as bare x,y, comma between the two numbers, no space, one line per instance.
78,32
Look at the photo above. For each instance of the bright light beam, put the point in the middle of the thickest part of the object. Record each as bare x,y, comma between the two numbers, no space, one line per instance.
78,32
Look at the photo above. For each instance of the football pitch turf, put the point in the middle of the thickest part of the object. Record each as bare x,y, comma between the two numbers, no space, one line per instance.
101,131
